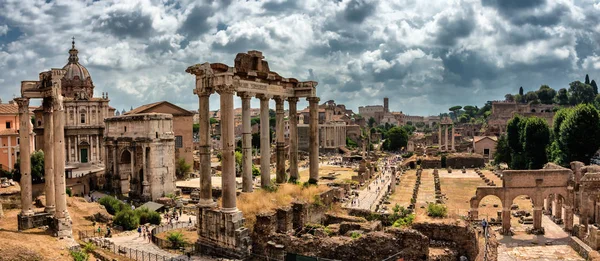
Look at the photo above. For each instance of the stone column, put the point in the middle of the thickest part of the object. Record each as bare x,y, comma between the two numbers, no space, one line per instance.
537,217
313,139
546,205
265,142
280,153
440,136
25,156
568,220
49,156
206,199
473,214
453,138
59,158
558,207
246,144
292,103
505,220
446,137
227,149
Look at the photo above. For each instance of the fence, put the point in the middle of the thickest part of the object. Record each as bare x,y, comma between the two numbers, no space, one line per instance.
131,253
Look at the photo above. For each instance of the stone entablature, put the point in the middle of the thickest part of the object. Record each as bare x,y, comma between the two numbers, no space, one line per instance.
140,149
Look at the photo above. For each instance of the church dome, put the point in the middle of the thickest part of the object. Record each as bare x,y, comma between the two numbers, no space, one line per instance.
73,68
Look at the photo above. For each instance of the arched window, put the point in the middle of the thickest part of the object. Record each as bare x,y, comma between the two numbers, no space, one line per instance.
125,157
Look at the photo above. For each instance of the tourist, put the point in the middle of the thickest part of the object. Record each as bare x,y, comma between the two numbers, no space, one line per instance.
139,230
190,220
99,230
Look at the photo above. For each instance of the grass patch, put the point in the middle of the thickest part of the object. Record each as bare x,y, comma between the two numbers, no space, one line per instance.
437,210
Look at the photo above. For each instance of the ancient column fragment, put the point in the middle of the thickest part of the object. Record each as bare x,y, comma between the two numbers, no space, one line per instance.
280,153
265,143
49,186
313,138
246,144
227,149
59,158
25,156
293,114
204,140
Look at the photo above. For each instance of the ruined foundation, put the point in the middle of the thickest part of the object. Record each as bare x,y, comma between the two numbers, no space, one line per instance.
222,234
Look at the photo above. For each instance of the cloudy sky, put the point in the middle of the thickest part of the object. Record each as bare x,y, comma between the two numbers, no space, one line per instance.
425,55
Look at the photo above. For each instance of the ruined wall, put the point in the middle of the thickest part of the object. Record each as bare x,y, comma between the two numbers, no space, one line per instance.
463,237
431,163
457,161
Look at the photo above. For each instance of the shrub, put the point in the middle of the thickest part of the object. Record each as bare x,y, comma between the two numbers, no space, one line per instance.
89,247
176,239
398,212
255,171
355,235
69,192
404,221
436,210
112,204
79,255
127,219
145,216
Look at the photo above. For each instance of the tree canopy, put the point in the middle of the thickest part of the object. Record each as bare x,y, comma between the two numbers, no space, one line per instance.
580,93
397,138
579,136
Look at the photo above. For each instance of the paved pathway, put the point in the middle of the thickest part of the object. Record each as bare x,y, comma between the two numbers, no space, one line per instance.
372,193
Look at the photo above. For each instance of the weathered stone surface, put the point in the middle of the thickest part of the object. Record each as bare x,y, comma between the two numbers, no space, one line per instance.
462,236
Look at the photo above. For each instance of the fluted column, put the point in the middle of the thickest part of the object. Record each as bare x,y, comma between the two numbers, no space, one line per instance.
313,139
246,144
280,153
59,158
227,149
25,156
204,140
265,142
49,156
292,103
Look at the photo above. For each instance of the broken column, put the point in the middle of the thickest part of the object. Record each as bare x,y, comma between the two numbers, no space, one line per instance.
292,102
537,218
49,156
265,142
247,185
25,156
280,153
313,139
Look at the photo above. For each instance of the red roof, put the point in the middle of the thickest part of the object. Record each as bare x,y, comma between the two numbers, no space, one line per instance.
7,108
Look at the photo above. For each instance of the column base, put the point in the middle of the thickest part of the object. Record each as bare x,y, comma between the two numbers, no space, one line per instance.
32,221
63,227
50,209
222,233
27,213
205,203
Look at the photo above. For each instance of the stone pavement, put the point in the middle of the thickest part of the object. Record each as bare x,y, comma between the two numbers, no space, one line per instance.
372,193
522,246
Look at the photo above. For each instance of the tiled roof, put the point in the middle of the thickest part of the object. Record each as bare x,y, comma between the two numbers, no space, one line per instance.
478,138
9,108
145,108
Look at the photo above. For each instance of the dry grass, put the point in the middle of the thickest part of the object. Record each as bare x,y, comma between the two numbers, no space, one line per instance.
344,173
261,201
404,191
190,236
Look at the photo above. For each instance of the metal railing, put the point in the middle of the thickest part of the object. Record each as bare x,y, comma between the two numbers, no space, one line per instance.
134,254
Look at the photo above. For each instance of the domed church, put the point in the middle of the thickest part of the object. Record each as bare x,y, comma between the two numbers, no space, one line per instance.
84,119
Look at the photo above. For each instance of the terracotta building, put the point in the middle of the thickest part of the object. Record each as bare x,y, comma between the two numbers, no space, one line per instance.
84,117
9,135
183,121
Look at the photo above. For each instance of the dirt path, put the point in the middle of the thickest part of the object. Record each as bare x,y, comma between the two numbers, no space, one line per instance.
404,191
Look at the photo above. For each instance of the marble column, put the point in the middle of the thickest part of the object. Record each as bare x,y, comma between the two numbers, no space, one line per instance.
49,156
265,142
227,149
59,158
313,150
292,103
280,153
25,156
452,138
446,138
204,144
246,144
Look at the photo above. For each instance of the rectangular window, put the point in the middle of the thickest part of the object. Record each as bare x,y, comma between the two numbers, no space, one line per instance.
486,151
8,124
83,118
178,142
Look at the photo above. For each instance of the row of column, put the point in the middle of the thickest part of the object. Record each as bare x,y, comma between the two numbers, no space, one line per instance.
228,144
446,127
54,157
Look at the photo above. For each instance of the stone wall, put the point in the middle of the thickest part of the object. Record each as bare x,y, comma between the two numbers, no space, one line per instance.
431,163
582,249
463,237
457,161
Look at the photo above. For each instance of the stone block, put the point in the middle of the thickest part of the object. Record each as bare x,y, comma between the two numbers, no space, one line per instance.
284,220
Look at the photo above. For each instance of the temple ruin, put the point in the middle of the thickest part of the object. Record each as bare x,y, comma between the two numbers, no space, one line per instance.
221,229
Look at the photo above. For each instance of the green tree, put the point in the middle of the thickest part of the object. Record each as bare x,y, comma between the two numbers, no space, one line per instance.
562,97
470,110
531,97
587,79
419,124
254,121
521,90
454,110
398,138
514,129
182,168
546,94
213,121
509,97
238,162
176,239
536,137
127,219
409,129
502,153
580,93
196,127
594,86
579,136
371,122
350,143
37,166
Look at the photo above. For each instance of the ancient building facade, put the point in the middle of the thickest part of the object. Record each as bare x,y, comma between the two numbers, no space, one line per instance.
485,146
140,151
9,135
84,116
183,121
503,111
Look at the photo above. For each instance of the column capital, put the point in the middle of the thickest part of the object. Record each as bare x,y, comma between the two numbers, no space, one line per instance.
23,104
292,99
245,95
279,99
262,96
226,89
313,99
204,91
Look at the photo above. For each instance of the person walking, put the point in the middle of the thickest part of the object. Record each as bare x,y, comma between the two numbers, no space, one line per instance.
139,230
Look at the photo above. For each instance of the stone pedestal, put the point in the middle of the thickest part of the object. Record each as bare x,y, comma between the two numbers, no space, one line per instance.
537,218
25,222
222,234
63,227
568,218
506,221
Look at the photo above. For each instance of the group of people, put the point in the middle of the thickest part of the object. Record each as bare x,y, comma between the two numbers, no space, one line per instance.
144,231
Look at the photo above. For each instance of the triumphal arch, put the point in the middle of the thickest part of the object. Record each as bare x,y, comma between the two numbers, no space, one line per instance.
48,88
550,182
221,229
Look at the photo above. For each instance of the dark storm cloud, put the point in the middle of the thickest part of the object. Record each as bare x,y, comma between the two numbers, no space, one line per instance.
453,29
126,24
196,22
352,86
464,67
524,34
545,19
507,6
585,46
358,10
279,7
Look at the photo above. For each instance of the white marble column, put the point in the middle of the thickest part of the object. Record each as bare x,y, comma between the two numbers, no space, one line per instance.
293,117
265,142
280,153
25,156
246,144
49,186
228,149
314,139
